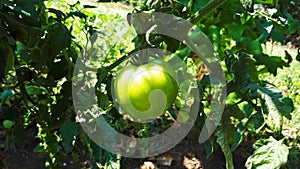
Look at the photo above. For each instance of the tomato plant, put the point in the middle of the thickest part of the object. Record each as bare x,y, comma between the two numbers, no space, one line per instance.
40,44
146,91
239,31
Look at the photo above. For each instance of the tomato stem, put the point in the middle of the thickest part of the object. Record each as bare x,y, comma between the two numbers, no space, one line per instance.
196,18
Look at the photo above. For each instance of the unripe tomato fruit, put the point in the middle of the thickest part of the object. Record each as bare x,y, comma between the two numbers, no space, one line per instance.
146,91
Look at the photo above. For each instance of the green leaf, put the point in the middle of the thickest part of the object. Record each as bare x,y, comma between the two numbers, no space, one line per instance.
225,148
246,108
172,44
35,90
235,7
59,14
215,36
273,117
271,107
5,95
7,57
239,136
26,10
209,148
225,15
10,61
233,111
5,2
244,70
256,123
231,132
58,69
102,100
272,63
278,36
293,24
288,57
252,46
264,36
184,114
78,14
197,5
232,98
58,38
236,31
271,154
288,107
29,11
69,131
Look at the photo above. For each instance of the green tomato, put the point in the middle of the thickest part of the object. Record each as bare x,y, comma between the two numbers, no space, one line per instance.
146,91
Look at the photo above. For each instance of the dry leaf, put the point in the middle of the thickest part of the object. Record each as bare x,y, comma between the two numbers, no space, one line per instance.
148,165
191,162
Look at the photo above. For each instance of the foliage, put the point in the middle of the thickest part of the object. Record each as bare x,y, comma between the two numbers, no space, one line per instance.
287,82
269,154
40,45
40,42
238,30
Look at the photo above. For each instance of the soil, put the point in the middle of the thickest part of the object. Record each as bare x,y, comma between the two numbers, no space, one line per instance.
188,154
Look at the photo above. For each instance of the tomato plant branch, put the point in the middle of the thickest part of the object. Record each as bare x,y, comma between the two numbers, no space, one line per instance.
103,71
263,14
235,104
212,5
120,60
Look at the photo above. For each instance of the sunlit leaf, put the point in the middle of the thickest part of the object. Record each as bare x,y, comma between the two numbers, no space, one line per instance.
232,98
273,154
271,104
